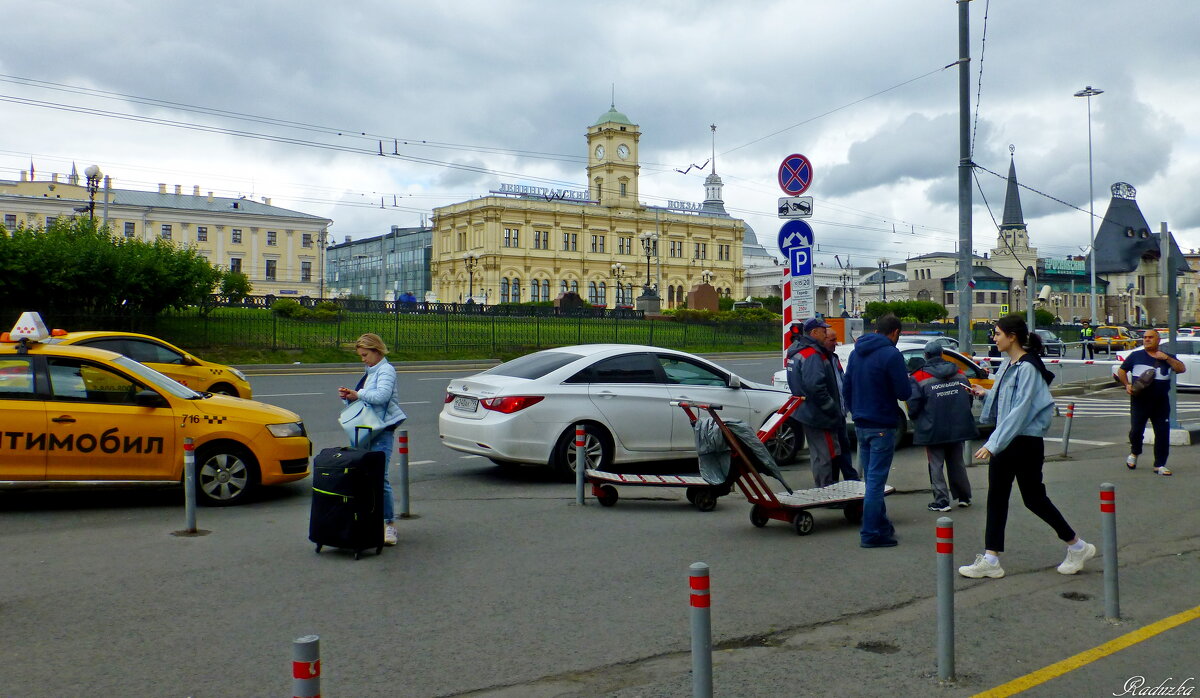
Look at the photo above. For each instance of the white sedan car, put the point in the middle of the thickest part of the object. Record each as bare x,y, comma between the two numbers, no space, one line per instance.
1186,349
525,410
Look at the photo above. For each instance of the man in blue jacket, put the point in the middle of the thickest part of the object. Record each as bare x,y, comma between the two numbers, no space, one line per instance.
875,380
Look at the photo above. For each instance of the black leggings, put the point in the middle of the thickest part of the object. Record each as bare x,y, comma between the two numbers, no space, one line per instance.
1157,409
1022,461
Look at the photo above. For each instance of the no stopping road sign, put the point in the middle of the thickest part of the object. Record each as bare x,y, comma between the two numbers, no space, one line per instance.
795,174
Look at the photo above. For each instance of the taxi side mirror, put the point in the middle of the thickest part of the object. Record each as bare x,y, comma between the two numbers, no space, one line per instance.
149,398
189,360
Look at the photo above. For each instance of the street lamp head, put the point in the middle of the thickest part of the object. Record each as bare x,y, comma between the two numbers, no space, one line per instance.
92,172
1089,91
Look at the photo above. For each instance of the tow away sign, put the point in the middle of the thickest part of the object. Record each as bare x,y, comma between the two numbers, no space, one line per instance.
795,206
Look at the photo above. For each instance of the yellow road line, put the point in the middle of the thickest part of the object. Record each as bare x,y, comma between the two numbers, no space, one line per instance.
1088,656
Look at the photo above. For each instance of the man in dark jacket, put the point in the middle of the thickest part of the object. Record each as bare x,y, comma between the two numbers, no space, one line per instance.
940,408
875,380
811,374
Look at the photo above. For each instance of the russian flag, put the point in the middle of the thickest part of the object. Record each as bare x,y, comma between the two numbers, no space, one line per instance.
971,282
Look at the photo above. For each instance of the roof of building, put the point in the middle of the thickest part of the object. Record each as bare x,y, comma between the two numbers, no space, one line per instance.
614,116
1124,238
935,255
981,274
1012,200
395,232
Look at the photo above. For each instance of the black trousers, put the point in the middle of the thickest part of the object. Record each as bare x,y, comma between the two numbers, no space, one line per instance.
1087,349
1022,461
1157,409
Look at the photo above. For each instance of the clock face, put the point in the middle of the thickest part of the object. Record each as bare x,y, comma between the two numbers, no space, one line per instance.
599,152
622,151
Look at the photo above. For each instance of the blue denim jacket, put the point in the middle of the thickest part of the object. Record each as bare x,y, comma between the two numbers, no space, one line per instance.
379,391
1019,404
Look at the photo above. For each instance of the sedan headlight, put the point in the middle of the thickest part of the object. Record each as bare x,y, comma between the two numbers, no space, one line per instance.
285,430
239,374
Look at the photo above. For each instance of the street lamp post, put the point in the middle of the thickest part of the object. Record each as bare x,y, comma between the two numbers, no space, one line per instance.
1090,92
706,276
618,272
883,267
93,175
649,301
471,261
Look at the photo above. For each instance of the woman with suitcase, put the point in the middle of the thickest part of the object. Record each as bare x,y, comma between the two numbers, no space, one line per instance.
377,388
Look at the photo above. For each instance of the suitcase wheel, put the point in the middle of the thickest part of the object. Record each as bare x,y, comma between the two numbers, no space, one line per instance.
379,550
319,546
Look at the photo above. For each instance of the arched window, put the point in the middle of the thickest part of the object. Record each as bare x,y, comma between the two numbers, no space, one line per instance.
563,287
516,290
503,290
603,294
592,293
546,290
728,292
670,296
534,289
680,296
574,287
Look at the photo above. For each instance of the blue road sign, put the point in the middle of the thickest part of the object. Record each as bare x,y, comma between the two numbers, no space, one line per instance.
795,174
794,233
801,261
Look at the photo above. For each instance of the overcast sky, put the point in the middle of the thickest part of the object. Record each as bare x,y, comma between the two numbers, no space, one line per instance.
474,93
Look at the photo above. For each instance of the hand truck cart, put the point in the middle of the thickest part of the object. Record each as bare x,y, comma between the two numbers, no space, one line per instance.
701,493
791,506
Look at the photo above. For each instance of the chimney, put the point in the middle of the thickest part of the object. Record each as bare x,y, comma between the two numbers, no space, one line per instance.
178,189
54,177
347,239
195,190
162,188
266,200
210,197
24,176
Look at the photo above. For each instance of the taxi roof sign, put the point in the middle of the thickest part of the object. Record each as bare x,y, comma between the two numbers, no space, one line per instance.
29,326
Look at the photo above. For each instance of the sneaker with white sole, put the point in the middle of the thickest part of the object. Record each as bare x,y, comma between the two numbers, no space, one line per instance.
1131,461
1076,558
389,534
939,506
1162,470
964,503
981,568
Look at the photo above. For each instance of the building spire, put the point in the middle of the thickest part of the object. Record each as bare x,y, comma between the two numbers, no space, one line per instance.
1012,197
714,147
612,104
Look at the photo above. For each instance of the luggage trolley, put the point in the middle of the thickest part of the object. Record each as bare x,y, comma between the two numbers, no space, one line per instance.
699,492
791,506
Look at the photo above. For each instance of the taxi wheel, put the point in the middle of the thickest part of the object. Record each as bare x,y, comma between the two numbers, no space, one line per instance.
225,474
224,389
597,446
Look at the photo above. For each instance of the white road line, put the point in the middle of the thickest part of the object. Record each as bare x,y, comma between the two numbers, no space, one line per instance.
446,379
421,462
262,395
416,402
1082,441
466,457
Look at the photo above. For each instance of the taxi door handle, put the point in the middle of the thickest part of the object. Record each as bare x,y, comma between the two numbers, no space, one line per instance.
65,419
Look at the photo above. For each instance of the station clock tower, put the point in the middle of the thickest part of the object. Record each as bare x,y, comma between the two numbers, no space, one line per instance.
613,160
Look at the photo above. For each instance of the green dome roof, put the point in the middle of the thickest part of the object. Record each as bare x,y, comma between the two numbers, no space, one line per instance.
614,116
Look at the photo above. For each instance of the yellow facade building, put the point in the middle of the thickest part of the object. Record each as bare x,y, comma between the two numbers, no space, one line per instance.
281,251
524,243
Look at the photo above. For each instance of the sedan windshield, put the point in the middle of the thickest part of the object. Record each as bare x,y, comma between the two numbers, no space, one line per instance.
156,379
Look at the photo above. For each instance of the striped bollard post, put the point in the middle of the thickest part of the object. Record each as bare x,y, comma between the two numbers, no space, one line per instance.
1108,523
701,600
189,485
788,311
306,667
580,463
1067,428
402,439
945,598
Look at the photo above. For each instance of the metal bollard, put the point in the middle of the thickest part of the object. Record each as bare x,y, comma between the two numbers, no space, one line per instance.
1108,522
189,485
306,667
945,597
701,600
580,463
402,464
1067,428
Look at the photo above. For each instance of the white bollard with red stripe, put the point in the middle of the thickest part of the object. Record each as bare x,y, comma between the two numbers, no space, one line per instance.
1067,428
944,532
306,667
402,466
701,601
580,462
189,486
1108,522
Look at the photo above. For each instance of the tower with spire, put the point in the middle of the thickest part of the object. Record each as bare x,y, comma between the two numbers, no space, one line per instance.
713,201
1012,252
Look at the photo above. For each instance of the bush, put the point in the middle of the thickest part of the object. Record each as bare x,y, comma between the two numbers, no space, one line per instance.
288,307
325,311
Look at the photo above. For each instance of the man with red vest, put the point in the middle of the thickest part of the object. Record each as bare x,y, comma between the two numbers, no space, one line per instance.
811,373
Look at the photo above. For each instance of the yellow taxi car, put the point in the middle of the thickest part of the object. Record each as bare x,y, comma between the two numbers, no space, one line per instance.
1110,338
76,415
164,357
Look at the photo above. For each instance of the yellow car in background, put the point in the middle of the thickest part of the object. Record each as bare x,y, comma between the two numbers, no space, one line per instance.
1110,338
76,415
164,357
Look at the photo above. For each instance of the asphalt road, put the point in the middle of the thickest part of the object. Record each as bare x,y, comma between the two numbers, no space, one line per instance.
502,586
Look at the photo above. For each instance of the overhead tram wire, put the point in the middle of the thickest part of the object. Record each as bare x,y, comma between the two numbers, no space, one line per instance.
979,81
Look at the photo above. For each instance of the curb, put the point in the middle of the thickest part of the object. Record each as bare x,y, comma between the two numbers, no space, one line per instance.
447,364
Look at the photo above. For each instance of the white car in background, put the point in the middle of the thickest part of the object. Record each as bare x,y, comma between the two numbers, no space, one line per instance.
1185,348
525,410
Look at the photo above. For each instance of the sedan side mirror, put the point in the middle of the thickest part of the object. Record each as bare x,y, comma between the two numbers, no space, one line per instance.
149,398
734,382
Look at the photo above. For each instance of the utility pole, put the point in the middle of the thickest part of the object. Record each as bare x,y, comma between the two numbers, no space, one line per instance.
964,178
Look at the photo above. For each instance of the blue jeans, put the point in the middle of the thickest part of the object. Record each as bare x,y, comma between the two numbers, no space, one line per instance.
875,449
383,443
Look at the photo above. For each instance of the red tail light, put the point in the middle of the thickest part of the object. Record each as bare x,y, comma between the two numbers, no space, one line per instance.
449,397
514,403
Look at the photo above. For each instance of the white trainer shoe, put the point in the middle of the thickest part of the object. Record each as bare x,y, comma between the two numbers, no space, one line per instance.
981,568
1075,559
1131,461
389,534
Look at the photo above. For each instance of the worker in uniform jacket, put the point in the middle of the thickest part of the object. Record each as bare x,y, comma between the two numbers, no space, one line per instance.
940,407
811,374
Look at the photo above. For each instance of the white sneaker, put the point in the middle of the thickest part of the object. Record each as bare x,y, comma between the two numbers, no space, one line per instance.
981,568
389,534
1162,470
1131,461
1075,559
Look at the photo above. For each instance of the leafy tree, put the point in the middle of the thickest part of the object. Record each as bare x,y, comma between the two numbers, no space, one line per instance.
235,285
1043,317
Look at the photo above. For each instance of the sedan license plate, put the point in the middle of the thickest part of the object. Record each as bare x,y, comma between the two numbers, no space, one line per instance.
463,403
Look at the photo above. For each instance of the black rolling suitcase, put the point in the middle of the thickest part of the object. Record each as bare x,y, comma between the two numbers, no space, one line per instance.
347,502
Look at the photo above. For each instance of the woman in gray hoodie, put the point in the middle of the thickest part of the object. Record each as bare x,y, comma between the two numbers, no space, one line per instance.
1020,406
